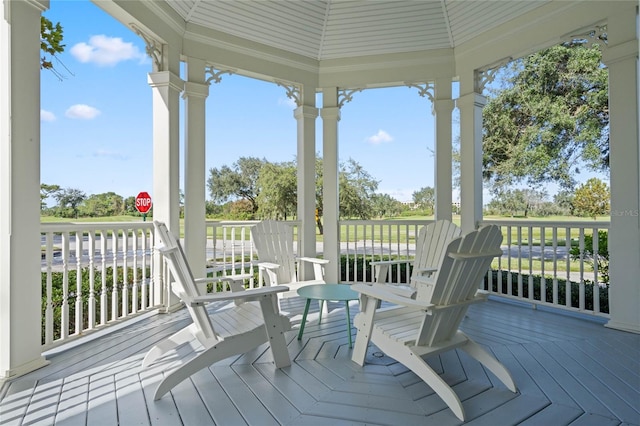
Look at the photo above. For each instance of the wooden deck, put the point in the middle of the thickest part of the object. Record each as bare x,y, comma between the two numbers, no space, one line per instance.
569,371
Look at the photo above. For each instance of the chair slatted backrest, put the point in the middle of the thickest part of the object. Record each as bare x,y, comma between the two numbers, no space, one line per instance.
467,260
273,241
183,284
431,245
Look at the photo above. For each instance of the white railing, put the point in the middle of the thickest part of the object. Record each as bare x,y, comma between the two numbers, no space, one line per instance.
561,280
230,250
96,274
89,253
363,241
560,264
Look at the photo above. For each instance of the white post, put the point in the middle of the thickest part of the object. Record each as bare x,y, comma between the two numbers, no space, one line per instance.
20,278
330,204
306,118
195,233
621,57
442,109
470,106
166,160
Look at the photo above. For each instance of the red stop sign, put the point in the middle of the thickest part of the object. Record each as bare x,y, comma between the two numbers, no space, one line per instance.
143,202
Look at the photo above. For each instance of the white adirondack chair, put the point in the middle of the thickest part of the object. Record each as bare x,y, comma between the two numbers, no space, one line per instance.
428,324
431,242
249,322
277,261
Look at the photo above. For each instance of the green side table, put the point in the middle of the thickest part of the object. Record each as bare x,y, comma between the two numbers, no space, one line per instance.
322,292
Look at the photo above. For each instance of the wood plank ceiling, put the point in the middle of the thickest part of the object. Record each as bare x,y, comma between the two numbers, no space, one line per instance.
332,29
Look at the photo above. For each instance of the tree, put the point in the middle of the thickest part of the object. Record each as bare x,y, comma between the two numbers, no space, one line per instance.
47,191
51,44
564,200
425,198
239,182
356,187
70,198
102,205
592,198
549,117
512,201
384,205
278,190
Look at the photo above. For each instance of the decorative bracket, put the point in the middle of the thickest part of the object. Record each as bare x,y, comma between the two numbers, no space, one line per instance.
427,90
596,36
215,74
293,91
487,75
153,48
346,95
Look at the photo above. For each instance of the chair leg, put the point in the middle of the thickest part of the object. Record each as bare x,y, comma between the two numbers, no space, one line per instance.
208,357
364,324
180,338
416,364
485,358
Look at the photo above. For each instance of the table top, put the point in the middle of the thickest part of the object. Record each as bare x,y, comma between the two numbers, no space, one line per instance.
328,292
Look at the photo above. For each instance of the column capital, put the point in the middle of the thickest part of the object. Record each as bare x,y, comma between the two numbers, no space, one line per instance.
195,90
305,111
165,79
328,113
620,52
443,106
471,99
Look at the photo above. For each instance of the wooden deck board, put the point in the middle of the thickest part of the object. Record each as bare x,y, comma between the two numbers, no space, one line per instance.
568,371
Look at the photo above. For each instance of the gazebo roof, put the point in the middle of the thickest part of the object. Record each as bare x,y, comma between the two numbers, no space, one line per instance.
333,29
357,44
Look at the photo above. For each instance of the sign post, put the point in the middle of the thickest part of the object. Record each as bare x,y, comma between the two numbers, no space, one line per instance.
143,204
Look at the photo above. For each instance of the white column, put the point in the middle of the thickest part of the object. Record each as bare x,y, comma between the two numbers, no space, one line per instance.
621,57
195,233
470,106
166,157
330,196
443,109
306,118
20,281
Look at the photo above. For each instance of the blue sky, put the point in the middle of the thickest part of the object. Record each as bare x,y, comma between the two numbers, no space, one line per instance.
97,122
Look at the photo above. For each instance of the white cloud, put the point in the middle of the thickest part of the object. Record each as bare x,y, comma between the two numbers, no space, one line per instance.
82,112
105,51
47,115
380,137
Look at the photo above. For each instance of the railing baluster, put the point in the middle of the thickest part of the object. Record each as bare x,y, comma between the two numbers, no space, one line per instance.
144,298
48,314
114,290
555,264
135,289
91,308
543,283
64,322
78,304
125,273
104,306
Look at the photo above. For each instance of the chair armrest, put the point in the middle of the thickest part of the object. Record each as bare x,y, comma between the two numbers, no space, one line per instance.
381,293
268,265
313,260
250,294
427,270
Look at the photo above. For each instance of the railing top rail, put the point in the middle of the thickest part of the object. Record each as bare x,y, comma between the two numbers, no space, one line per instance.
93,226
550,223
402,222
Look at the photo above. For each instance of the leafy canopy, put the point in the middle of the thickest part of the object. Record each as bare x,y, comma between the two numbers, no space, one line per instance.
549,117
